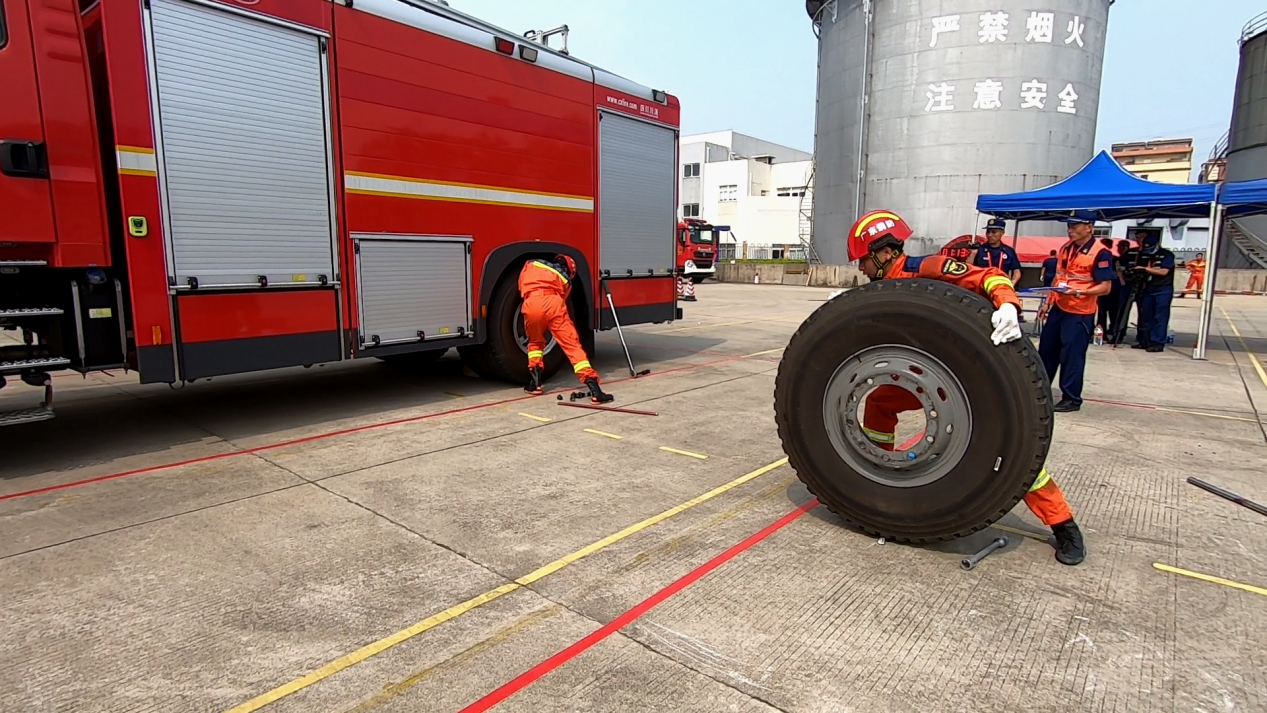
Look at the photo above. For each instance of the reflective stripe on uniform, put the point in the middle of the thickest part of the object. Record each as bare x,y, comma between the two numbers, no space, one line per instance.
880,436
996,281
544,266
536,354
1043,478
581,366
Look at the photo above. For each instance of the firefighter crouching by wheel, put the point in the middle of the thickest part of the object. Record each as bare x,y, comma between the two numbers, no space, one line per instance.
544,286
876,241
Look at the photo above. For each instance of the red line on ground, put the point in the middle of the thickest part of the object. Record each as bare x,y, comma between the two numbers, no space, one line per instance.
913,441
528,677
329,434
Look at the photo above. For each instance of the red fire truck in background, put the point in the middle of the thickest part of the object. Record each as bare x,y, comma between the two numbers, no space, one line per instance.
195,188
697,248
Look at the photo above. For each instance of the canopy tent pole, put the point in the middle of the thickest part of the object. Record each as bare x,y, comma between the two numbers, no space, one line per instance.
1207,289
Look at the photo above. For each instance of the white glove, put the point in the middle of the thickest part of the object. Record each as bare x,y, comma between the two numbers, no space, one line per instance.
1007,325
835,294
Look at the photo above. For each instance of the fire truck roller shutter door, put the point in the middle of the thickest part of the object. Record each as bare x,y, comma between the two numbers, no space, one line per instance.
411,284
636,196
244,147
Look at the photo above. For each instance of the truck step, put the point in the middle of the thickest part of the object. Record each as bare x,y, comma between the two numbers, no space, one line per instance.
23,263
25,415
21,364
31,312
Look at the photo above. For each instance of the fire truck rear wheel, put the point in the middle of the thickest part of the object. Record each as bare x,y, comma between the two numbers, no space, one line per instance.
987,411
500,356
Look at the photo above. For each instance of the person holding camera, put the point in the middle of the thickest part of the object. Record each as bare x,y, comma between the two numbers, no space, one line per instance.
1152,267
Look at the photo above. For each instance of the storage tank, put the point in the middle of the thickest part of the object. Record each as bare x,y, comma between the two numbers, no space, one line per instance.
922,106
1247,140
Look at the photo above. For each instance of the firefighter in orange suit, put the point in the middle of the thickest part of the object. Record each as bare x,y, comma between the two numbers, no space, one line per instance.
544,286
1196,275
876,241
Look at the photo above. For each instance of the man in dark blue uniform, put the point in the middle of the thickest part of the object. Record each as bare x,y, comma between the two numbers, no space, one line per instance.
995,254
1155,266
1049,269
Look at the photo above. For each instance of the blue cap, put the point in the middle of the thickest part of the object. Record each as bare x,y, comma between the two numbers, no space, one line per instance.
1080,216
996,224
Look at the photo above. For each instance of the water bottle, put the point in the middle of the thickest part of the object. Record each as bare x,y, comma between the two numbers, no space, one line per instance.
1099,336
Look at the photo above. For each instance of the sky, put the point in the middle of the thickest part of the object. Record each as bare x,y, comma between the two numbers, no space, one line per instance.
750,65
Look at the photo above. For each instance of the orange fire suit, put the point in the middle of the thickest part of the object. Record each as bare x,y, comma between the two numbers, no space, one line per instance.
1196,276
545,290
879,419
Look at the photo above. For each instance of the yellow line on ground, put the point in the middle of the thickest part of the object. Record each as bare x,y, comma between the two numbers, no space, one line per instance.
1211,578
452,395
1262,375
369,650
689,454
603,433
542,419
756,354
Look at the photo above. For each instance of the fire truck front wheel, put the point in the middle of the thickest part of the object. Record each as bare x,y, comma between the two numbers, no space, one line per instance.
697,278
903,418
504,353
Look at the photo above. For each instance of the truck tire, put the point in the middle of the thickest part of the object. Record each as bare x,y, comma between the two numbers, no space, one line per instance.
987,410
698,279
502,356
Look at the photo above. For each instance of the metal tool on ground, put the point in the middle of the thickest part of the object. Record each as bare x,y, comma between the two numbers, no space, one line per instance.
1229,495
973,561
608,408
611,304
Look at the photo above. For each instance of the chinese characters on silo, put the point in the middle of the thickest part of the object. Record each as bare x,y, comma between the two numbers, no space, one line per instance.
989,93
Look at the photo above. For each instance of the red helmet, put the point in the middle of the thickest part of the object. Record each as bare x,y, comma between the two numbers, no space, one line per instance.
567,263
872,228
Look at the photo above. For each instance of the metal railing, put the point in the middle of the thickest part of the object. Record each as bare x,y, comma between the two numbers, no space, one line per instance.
805,217
1254,28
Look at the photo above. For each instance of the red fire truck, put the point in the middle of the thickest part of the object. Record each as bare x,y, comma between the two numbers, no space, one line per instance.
195,188
697,248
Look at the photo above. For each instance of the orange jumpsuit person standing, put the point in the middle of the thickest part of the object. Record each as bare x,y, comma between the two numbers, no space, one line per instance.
876,241
544,286
1196,275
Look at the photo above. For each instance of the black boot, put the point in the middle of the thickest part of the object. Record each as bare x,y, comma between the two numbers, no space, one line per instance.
597,395
534,381
1070,549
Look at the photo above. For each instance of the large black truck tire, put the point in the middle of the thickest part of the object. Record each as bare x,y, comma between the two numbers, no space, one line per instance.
987,410
504,353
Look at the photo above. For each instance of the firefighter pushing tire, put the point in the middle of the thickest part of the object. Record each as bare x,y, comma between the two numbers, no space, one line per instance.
986,410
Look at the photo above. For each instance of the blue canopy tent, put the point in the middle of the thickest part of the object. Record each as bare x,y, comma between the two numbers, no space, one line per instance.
1242,198
1105,188
1112,193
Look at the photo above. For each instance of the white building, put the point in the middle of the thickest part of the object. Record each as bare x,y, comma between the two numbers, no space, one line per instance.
757,188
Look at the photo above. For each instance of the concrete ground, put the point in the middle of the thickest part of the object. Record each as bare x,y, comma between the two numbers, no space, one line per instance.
357,538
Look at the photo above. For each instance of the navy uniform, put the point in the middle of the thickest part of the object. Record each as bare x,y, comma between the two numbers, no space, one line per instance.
1071,314
1156,294
1002,257
1049,269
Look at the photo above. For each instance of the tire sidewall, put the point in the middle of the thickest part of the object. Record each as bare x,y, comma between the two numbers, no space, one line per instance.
1010,406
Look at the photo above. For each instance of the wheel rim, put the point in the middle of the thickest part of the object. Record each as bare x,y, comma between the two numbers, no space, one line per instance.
521,334
947,415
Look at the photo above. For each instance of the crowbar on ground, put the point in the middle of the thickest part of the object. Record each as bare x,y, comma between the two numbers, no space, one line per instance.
1229,495
608,408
